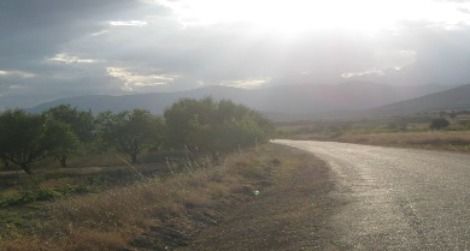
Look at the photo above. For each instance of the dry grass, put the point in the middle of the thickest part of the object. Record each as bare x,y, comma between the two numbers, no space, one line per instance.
183,203
291,215
445,140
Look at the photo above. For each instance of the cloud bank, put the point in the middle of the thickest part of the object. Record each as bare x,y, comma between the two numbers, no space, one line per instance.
56,48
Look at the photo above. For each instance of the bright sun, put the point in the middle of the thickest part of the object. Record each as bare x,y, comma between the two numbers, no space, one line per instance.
294,16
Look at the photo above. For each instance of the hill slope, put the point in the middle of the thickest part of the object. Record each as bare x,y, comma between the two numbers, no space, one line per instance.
453,99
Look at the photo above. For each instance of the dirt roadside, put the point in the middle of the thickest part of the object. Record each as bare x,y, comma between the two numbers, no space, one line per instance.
291,215
271,197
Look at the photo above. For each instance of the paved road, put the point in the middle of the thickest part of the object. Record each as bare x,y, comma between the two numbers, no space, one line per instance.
397,199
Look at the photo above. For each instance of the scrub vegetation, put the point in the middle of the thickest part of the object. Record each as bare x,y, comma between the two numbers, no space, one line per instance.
170,211
73,180
441,131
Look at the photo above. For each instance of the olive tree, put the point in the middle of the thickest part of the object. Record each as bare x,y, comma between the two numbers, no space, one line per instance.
209,126
81,123
130,132
26,138
190,124
59,140
21,138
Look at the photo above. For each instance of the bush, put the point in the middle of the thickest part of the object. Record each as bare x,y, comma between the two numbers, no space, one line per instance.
439,124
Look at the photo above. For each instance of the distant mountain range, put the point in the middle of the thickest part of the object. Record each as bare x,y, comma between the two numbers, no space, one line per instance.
284,102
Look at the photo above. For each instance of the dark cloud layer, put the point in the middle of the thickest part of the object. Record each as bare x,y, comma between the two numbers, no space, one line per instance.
56,48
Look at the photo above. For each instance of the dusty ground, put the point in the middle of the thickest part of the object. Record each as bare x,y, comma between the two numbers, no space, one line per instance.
291,215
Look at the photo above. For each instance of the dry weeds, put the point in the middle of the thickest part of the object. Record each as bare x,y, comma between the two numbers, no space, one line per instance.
158,212
444,140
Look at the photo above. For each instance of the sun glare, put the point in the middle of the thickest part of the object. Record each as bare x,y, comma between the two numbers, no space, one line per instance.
294,16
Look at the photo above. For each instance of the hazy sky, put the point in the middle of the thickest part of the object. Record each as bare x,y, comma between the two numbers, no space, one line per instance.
57,48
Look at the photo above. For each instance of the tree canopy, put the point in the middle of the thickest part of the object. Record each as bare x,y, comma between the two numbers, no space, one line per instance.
22,138
207,126
60,140
202,126
81,123
131,132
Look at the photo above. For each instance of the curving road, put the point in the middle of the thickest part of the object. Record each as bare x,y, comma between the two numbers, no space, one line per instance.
397,199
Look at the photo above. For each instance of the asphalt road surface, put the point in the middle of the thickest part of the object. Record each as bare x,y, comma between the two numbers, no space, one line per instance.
397,199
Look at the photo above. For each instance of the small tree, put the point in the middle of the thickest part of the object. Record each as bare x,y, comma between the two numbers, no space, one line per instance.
210,127
131,132
81,123
22,138
59,140
190,124
439,124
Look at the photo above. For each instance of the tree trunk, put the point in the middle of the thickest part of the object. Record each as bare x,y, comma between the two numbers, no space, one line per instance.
26,169
63,161
133,158
215,157
6,163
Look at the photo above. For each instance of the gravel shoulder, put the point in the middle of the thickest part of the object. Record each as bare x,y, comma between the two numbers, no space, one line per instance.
293,214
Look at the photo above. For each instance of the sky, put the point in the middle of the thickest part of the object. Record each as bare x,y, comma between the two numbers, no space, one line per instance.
59,48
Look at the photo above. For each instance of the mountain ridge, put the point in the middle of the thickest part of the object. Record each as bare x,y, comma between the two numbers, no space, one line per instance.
295,100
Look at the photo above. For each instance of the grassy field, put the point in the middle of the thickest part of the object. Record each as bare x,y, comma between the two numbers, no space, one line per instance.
150,213
385,133
440,140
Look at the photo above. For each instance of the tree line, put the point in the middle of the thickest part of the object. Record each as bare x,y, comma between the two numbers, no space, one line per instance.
199,126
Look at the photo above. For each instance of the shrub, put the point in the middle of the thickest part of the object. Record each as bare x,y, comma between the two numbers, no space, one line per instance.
439,124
